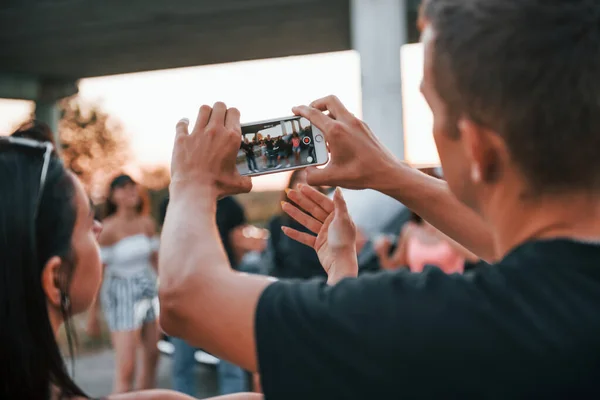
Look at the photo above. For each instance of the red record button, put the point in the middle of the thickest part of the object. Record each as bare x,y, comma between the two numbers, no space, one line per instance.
306,140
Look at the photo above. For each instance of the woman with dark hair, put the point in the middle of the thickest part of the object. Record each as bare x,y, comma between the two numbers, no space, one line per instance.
129,292
50,268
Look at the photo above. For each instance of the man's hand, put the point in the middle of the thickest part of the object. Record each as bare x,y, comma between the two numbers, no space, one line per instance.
335,242
206,157
358,159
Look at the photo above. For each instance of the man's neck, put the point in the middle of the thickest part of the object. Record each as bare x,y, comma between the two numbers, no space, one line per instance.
517,219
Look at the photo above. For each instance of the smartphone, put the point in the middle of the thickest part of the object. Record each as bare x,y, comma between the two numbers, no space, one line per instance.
281,144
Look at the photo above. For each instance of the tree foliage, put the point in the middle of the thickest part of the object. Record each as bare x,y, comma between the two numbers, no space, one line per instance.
155,177
94,146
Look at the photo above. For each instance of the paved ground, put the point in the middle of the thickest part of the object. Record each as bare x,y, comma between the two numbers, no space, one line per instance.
95,375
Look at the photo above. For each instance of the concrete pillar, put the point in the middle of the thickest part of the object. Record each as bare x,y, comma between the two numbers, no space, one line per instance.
283,128
49,113
378,31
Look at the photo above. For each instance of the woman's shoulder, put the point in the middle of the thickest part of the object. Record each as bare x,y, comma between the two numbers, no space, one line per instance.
149,225
109,234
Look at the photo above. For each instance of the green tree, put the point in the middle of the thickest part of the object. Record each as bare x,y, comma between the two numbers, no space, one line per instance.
94,145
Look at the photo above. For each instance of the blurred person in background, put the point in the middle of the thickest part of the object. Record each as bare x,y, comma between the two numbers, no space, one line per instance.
420,244
128,297
50,270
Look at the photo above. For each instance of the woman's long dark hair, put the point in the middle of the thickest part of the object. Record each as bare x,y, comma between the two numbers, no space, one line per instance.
31,363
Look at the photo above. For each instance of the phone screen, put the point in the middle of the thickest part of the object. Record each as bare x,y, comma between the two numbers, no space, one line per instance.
276,145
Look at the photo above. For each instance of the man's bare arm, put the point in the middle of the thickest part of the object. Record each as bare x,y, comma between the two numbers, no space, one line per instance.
202,299
432,200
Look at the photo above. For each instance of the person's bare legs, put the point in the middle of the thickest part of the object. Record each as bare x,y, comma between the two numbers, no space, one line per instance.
147,377
125,345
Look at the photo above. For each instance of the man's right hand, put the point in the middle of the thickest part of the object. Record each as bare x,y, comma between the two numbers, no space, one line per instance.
358,159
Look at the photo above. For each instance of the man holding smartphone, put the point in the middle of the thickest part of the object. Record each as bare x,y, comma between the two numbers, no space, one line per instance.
513,86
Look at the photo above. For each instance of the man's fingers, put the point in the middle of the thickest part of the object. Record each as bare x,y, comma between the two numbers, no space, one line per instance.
340,203
316,117
309,205
236,185
203,117
300,237
333,105
320,177
217,117
304,219
245,184
181,129
232,119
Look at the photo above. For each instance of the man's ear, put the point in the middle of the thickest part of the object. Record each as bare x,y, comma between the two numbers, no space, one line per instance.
483,148
51,280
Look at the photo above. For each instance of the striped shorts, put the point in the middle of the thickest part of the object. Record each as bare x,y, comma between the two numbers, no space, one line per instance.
129,302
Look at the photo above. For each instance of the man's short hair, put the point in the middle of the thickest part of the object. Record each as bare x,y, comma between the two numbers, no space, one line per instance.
530,71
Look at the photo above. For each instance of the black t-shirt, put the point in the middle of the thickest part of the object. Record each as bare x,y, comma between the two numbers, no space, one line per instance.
269,143
280,143
248,149
230,215
527,327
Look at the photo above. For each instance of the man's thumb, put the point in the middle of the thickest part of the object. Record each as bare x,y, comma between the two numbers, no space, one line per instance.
317,176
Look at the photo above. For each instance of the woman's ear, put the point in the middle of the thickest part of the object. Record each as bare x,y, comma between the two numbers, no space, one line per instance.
51,281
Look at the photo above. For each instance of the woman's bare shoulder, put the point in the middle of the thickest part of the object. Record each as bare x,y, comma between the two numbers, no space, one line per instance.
109,234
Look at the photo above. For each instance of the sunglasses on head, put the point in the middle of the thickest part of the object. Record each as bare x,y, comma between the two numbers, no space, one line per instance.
46,147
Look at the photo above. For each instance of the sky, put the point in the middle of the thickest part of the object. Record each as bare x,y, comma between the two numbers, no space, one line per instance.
149,104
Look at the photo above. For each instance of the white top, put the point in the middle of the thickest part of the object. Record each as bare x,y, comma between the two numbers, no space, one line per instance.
130,255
